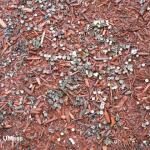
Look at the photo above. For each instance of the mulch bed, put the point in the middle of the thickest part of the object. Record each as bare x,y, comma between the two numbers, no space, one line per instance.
74,75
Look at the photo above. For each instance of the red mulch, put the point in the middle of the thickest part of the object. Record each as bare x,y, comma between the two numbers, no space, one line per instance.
31,118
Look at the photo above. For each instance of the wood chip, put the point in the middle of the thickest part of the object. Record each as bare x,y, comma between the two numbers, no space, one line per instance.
38,81
104,147
27,90
50,120
41,25
71,115
36,110
118,1
113,122
38,119
7,126
27,9
34,58
87,83
146,88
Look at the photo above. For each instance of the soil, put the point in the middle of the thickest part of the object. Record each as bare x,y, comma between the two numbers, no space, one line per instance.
74,75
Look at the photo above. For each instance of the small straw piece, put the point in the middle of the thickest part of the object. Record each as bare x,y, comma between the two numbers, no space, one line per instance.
42,38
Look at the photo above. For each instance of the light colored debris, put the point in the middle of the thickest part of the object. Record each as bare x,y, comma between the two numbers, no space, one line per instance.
29,10
2,23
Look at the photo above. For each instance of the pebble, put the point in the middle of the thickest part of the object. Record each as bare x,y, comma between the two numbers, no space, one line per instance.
92,111
96,74
94,92
2,85
62,133
72,129
74,54
93,98
134,51
143,64
147,107
101,112
146,80
50,130
71,141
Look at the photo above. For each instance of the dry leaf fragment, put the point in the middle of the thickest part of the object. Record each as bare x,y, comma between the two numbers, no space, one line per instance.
107,117
2,23
121,103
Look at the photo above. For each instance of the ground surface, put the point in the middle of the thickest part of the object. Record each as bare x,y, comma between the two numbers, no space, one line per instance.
74,75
